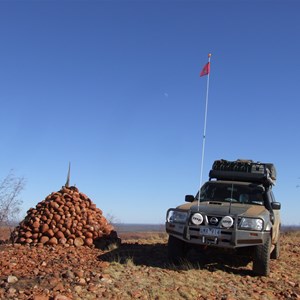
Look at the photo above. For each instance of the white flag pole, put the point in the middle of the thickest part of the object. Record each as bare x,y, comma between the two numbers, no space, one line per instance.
204,129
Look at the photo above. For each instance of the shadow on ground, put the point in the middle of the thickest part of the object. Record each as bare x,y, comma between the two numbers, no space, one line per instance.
155,255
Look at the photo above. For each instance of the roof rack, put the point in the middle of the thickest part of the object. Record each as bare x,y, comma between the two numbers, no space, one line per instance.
244,170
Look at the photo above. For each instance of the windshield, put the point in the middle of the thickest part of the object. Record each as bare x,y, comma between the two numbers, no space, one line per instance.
230,192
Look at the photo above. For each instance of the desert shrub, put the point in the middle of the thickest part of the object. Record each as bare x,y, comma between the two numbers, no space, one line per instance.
10,189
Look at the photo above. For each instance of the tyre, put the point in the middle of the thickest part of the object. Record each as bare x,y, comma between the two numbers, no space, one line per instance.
276,251
176,250
261,261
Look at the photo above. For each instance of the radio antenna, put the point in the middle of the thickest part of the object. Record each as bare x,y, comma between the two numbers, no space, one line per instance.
205,71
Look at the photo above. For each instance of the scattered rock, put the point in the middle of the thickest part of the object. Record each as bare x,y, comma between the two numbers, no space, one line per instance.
61,297
11,292
79,273
12,279
81,281
59,287
78,242
78,289
68,274
40,297
2,291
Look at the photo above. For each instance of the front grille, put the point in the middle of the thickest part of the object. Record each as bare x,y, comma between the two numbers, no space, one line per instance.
213,220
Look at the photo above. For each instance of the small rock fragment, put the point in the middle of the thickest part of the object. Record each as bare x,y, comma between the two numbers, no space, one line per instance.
12,279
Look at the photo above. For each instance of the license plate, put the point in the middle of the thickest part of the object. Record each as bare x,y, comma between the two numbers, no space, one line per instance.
210,231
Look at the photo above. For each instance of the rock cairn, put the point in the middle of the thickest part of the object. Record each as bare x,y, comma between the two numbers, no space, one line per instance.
66,217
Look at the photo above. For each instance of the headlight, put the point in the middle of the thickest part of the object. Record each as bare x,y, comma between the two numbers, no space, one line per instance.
251,224
176,216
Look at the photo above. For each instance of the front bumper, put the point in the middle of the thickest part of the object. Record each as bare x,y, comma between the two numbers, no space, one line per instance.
219,237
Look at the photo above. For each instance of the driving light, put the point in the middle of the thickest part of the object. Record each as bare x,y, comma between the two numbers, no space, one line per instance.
176,216
251,224
197,219
227,222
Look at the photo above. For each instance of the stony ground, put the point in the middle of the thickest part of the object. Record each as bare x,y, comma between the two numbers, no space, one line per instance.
138,269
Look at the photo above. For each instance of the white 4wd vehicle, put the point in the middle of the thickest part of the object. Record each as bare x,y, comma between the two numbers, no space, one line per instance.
235,209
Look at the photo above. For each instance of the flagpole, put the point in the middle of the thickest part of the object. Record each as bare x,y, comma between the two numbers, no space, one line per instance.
204,129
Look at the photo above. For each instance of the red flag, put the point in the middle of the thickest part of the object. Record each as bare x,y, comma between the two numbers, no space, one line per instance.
205,70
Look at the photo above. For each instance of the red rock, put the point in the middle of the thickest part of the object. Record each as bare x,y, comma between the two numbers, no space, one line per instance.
28,234
88,241
61,297
44,239
68,224
72,236
53,241
77,209
81,281
70,242
35,235
79,273
2,291
54,205
62,241
11,292
84,196
49,233
56,217
59,234
44,228
78,242
88,234
67,232
44,218
36,224
40,297
59,287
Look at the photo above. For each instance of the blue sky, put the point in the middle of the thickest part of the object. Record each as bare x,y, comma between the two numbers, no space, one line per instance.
114,88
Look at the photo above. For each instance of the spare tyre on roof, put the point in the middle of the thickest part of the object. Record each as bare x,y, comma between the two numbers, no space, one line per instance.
244,170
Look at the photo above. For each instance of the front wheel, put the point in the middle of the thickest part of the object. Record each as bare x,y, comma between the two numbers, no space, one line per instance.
261,261
176,250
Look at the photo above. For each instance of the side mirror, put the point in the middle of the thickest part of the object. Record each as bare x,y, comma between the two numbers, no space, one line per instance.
189,198
276,205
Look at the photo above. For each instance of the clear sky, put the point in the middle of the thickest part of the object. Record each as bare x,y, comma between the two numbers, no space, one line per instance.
114,88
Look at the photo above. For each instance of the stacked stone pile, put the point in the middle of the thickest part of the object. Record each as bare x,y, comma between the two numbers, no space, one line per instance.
66,217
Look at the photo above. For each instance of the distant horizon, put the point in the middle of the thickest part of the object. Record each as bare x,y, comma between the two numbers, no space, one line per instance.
163,224
142,227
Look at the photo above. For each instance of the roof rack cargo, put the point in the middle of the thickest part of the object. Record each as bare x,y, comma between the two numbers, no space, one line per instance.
243,170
